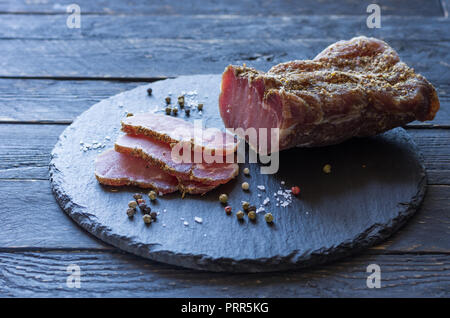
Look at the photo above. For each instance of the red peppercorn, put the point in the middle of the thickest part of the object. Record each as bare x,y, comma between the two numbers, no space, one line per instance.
228,209
295,190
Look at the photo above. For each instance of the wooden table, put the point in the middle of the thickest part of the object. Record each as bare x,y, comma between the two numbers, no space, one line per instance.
50,73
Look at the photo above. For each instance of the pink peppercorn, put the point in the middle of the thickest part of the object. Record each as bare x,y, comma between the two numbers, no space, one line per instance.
295,190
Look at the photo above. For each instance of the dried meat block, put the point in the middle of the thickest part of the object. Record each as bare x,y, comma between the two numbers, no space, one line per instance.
352,88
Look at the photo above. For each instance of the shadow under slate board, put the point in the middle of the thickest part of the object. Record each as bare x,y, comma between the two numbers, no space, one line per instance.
375,185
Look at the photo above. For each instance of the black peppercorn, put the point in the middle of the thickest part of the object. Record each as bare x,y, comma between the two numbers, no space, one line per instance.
187,110
147,210
131,212
149,91
153,215
137,196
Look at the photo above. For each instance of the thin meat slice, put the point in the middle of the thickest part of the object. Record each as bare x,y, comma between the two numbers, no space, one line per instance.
352,88
117,169
160,154
174,130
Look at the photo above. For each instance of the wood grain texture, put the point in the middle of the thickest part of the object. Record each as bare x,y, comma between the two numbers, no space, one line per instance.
244,7
221,27
153,58
60,101
43,274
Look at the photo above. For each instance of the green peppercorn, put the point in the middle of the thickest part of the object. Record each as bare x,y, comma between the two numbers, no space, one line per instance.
200,106
168,100
147,219
153,215
137,196
240,215
246,171
129,114
268,217
245,186
149,91
152,195
181,101
168,110
223,198
252,215
132,204
252,208
175,111
131,212
245,205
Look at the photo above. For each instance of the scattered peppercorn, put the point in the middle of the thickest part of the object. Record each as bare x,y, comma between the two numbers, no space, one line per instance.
245,186
129,114
147,219
223,198
147,210
140,201
268,217
168,110
228,209
245,205
153,215
137,196
187,110
175,111
131,212
200,106
149,91
181,101
246,171
240,215
295,190
132,204
327,168
152,195
252,215
168,100
252,208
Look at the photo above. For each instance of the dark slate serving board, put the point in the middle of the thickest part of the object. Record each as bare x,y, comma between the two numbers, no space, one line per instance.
375,185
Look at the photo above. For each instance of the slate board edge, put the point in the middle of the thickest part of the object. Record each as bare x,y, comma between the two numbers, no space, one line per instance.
371,236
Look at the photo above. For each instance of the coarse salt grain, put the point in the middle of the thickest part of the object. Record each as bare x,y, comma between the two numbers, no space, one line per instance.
198,219
261,187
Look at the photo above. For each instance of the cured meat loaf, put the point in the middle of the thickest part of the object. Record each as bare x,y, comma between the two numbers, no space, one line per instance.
352,88
117,169
173,130
160,154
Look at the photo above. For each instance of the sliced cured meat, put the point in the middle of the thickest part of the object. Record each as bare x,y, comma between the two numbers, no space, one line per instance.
160,154
117,169
173,130
352,88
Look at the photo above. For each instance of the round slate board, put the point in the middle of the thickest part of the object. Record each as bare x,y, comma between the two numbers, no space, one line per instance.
375,185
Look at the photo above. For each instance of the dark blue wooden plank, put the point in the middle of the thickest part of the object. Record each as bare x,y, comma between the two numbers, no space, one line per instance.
44,274
240,7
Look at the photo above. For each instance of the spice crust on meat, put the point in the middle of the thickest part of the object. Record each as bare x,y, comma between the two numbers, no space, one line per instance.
352,88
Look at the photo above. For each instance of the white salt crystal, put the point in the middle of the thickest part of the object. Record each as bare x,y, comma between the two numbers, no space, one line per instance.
198,219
